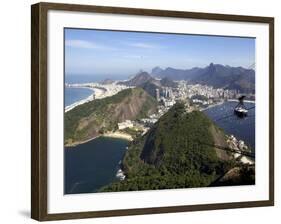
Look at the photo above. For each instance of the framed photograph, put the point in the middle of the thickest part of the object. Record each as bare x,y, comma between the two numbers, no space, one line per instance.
139,111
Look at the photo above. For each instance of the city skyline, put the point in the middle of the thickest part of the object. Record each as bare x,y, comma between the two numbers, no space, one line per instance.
125,53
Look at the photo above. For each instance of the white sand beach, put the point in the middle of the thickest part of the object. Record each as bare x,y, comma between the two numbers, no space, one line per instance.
119,135
99,93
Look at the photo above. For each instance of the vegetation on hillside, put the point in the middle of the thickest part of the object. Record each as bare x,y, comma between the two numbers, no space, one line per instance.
132,132
176,153
96,117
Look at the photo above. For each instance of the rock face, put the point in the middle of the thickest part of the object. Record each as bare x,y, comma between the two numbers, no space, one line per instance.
96,117
216,75
243,175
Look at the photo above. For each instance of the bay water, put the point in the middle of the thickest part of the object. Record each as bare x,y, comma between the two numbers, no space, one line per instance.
241,128
94,164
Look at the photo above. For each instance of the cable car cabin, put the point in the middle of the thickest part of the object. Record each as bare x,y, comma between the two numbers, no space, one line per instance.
240,110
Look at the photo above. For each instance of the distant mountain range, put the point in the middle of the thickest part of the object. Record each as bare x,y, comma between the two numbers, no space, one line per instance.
216,75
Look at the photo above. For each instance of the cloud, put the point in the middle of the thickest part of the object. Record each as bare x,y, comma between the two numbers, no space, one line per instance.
86,45
80,44
142,45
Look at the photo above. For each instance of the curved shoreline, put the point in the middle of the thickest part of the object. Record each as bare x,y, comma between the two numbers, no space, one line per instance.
96,91
222,102
81,142
245,101
118,135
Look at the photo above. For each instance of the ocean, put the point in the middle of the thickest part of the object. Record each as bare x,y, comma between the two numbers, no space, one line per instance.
80,78
72,95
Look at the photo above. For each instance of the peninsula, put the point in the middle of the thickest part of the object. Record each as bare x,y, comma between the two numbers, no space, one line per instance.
101,116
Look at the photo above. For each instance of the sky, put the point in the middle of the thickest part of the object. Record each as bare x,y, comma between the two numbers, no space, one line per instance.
100,52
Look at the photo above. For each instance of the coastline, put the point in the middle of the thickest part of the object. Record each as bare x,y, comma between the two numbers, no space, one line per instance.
245,101
109,135
118,135
222,102
81,142
98,92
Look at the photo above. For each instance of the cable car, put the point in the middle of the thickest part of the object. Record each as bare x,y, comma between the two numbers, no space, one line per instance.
240,110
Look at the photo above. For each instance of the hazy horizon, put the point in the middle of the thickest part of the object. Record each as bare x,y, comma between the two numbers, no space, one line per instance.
139,70
121,53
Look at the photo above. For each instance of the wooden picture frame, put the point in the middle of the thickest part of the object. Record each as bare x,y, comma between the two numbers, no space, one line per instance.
39,109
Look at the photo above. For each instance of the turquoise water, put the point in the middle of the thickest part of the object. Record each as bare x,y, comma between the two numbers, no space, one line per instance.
92,165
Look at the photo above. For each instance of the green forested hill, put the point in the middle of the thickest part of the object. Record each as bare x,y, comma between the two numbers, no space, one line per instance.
175,153
96,117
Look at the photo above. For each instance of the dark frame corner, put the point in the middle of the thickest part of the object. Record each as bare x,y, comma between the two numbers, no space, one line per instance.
39,121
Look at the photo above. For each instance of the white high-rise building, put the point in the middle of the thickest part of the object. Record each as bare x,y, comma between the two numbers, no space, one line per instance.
157,95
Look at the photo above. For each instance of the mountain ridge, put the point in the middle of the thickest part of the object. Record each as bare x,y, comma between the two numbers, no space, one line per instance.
216,75
96,117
